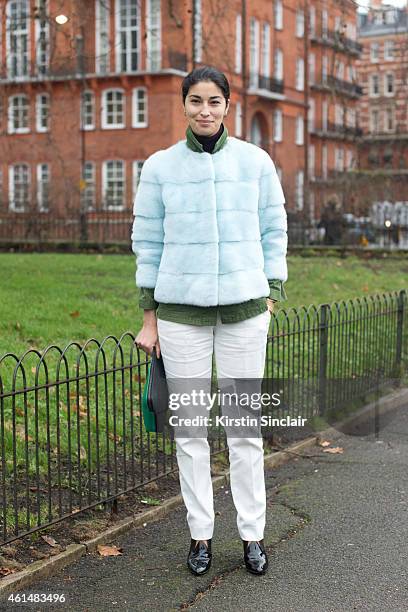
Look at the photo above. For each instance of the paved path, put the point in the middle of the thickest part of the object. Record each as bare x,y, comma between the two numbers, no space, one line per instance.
337,534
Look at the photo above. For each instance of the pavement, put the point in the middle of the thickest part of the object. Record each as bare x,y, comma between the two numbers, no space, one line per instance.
336,534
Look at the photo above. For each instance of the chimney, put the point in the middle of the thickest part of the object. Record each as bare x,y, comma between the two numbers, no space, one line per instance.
375,4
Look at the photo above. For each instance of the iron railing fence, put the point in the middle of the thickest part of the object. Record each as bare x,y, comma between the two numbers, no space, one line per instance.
71,427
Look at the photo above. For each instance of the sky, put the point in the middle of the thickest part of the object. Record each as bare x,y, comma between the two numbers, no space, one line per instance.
399,3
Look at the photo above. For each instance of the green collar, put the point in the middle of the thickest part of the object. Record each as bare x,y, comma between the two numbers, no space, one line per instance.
193,143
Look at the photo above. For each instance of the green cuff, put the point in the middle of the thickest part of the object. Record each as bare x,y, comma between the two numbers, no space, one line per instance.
146,299
277,290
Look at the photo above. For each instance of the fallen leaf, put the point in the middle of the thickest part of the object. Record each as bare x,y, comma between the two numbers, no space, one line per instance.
364,287
5,571
74,314
324,443
50,541
109,551
336,449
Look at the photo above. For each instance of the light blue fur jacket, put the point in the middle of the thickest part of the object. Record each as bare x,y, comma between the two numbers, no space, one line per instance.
209,229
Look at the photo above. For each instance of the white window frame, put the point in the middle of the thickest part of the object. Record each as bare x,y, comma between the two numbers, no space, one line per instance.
266,50
312,21
88,192
300,74
105,184
11,126
154,36
238,43
325,68
338,114
238,119
324,161
312,161
375,127
300,136
43,207
299,194
87,126
386,112
300,23
39,107
375,52
198,31
389,50
325,115
278,14
278,125
373,93
339,159
349,159
104,110
254,53
128,53
340,70
386,92
102,37
311,114
18,63
12,185
312,68
136,110
137,165
42,38
278,64
325,23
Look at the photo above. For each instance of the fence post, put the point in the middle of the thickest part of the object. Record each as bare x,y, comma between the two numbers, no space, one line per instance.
400,328
323,334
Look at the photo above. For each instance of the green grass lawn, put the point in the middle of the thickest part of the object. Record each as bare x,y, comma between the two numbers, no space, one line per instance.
57,298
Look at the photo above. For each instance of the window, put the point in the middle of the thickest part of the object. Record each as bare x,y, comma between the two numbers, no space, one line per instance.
339,159
351,74
88,110
238,44
311,161
324,161
19,187
113,109
198,31
325,23
42,35
254,53
88,190
278,14
311,115
277,125
18,111
136,170
127,35
300,74
389,50
312,68
278,64
352,31
266,55
299,130
350,117
113,185
337,23
153,31
102,45
339,114
340,71
300,23
325,68
42,112
374,120
18,38
139,107
375,51
389,84
238,120
389,120
43,187
374,85
390,16
299,190
349,159
312,21
325,115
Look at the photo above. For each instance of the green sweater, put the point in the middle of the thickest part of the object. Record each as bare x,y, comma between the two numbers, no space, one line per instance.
207,315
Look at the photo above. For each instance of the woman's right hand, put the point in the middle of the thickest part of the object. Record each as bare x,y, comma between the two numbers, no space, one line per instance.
148,337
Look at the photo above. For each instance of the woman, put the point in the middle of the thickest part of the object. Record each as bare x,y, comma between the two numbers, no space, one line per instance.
210,239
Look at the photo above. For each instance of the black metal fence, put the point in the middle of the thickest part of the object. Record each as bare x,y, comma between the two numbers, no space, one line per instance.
71,428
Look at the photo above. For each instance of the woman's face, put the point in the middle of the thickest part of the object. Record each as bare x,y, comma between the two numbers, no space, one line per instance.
205,108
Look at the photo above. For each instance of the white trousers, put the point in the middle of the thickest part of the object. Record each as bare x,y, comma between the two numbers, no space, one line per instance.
240,350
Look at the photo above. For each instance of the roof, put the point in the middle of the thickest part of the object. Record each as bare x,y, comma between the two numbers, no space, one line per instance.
369,26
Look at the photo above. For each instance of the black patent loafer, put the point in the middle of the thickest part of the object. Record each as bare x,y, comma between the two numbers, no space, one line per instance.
199,557
255,557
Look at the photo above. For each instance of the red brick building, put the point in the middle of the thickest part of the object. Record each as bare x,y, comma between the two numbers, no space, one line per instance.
383,109
88,90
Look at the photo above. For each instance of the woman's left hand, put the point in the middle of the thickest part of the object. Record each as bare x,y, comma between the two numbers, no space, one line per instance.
271,304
